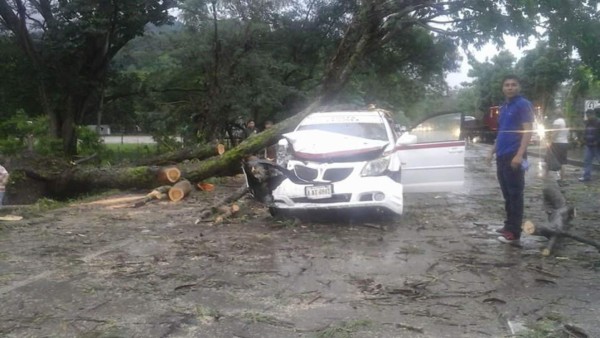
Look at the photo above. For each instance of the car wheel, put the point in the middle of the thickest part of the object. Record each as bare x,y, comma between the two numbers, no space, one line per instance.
274,211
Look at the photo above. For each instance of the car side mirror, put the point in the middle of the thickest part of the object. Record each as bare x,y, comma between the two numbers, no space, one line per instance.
406,138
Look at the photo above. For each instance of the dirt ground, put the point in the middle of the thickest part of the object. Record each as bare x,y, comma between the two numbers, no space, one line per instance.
154,271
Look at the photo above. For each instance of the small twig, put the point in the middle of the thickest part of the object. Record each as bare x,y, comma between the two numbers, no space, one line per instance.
410,327
544,272
85,159
244,273
314,299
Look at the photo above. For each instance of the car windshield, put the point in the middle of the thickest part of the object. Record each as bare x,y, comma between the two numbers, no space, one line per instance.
372,131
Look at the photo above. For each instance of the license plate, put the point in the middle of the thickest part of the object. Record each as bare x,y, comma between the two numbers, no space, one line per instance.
319,191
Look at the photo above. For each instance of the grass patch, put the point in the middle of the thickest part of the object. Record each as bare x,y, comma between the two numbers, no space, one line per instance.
345,329
207,314
254,317
550,326
130,152
46,204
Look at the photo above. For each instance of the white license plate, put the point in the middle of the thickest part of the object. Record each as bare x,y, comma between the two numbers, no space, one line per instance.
319,191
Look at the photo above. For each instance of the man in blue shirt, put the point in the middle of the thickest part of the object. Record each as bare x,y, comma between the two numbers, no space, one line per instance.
514,133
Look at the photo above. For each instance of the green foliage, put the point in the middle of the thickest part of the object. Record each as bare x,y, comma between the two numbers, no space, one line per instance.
19,133
488,77
18,90
45,204
90,143
549,326
345,329
71,57
266,59
543,69
129,152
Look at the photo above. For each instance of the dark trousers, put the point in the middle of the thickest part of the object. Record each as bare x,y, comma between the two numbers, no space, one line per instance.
512,184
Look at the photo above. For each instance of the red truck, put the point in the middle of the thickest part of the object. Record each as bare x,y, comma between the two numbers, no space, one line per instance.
482,129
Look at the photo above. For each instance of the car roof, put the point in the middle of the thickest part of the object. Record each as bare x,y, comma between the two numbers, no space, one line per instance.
350,116
351,112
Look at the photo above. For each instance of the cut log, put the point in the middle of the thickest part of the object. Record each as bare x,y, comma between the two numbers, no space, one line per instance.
169,175
206,186
180,190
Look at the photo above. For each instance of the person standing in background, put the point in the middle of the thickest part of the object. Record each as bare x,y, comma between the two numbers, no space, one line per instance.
591,139
514,133
250,129
559,136
3,182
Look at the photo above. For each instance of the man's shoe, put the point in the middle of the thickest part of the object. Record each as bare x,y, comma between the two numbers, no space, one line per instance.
583,179
501,230
509,238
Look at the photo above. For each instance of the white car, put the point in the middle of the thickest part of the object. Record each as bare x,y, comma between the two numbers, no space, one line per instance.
355,159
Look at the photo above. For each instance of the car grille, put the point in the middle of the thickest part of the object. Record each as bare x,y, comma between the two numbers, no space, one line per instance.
305,173
336,174
330,175
337,198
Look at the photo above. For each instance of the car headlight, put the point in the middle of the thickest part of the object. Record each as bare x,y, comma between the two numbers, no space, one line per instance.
376,167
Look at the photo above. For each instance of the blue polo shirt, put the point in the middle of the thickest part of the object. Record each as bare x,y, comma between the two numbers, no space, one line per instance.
513,114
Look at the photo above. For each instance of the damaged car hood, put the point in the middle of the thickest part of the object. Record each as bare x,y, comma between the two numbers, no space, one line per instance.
318,145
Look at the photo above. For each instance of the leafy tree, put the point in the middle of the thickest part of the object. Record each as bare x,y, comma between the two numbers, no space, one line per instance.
488,77
70,45
543,69
17,91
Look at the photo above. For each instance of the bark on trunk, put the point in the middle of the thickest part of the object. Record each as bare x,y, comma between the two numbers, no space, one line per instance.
201,152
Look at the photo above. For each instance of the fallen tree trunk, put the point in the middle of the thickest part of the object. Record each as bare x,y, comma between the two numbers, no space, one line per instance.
62,178
200,152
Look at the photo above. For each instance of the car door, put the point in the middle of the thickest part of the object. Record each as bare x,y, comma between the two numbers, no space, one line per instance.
432,155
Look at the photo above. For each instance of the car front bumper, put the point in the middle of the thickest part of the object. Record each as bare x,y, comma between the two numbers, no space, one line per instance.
363,192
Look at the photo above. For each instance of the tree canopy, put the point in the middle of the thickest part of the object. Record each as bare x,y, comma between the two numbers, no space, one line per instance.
224,62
